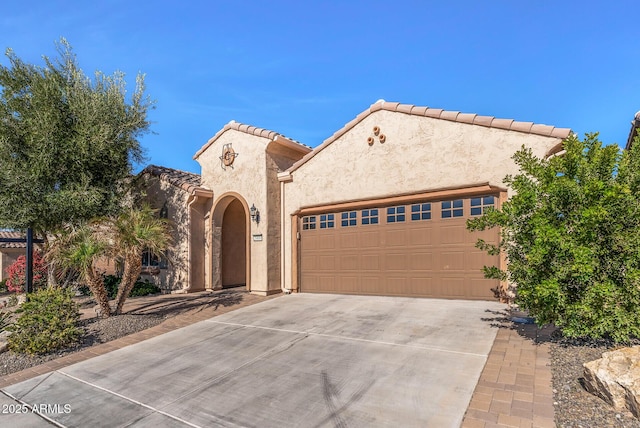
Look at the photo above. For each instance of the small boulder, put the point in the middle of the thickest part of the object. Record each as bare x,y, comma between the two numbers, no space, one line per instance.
4,341
616,378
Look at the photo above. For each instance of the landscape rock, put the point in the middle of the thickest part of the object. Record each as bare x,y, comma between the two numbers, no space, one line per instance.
616,378
4,343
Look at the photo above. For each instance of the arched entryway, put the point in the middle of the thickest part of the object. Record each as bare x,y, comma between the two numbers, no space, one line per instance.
231,251
234,246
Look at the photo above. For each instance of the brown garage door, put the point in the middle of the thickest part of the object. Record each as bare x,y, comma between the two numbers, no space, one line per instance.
415,249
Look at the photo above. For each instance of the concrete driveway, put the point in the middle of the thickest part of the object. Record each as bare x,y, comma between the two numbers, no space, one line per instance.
304,360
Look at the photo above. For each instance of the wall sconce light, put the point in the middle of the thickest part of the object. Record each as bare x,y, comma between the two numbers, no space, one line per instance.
255,214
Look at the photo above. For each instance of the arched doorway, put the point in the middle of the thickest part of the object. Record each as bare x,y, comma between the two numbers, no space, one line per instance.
234,246
231,249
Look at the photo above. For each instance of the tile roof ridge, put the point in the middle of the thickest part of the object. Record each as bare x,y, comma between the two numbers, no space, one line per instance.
12,234
152,166
473,119
188,181
248,129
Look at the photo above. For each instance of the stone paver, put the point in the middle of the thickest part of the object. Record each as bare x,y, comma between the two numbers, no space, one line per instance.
514,389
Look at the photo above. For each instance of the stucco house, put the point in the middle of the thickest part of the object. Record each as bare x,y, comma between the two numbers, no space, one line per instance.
10,251
378,208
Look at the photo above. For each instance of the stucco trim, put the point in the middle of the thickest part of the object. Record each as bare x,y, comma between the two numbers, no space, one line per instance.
468,190
453,116
285,176
295,254
555,149
259,132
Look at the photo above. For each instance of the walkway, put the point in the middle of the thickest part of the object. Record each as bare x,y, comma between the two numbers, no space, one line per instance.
514,389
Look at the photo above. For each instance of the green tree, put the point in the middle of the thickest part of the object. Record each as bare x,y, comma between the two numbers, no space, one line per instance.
67,142
133,232
571,235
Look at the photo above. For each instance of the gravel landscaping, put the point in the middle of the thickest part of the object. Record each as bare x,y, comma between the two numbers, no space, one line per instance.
574,406
96,331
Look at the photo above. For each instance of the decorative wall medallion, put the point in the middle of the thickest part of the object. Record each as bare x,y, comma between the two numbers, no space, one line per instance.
228,156
376,132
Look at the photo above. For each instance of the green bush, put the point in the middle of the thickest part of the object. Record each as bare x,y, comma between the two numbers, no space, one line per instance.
571,233
111,283
144,288
3,286
48,321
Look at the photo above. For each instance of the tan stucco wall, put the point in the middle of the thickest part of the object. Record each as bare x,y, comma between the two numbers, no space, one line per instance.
176,277
7,257
248,179
106,265
419,154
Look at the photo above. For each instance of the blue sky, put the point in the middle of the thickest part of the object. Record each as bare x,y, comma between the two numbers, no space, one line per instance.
305,68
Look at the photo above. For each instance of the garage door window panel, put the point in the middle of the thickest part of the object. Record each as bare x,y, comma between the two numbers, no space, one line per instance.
421,212
451,209
396,214
480,205
309,222
349,219
327,221
370,216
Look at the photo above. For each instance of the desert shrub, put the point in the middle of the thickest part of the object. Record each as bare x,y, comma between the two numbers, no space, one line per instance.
47,321
5,320
144,288
83,290
111,284
12,300
571,233
16,279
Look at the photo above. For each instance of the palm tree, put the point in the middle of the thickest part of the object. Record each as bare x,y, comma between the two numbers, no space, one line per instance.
133,232
79,247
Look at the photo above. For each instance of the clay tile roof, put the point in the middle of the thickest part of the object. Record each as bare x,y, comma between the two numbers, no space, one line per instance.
483,120
433,112
453,116
11,234
251,130
182,179
466,117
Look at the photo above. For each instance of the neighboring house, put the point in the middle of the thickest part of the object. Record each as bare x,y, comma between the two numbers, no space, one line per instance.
378,208
10,251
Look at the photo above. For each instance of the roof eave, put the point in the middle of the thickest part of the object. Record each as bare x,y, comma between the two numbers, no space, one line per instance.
633,133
